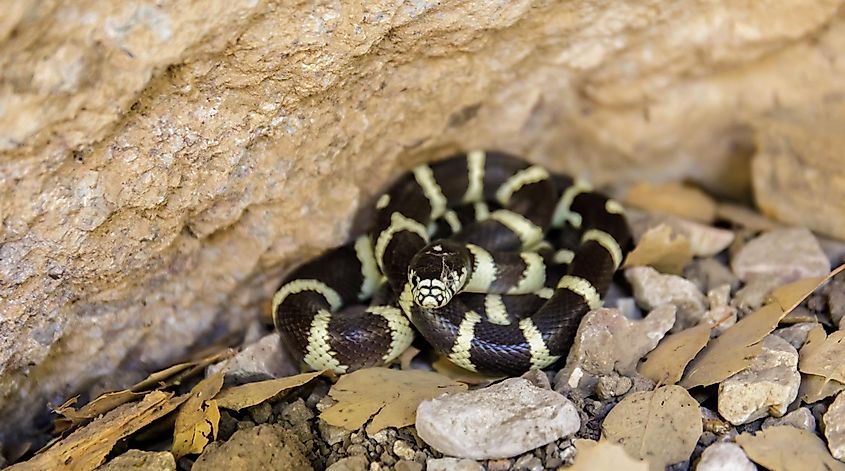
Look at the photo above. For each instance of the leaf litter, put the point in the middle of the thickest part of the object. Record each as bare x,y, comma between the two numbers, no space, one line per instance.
661,248
787,448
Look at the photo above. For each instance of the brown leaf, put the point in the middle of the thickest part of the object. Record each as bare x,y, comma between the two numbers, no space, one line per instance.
662,249
197,419
822,355
392,403
603,455
673,198
786,448
790,295
666,363
450,370
250,394
660,426
86,448
815,388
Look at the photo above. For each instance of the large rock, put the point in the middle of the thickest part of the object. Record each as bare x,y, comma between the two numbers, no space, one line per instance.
163,163
500,421
260,447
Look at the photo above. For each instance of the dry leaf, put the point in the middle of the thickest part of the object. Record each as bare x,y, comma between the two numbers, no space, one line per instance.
822,356
789,296
662,249
197,419
603,455
389,397
787,448
743,216
86,448
250,394
673,198
450,370
660,426
815,388
666,363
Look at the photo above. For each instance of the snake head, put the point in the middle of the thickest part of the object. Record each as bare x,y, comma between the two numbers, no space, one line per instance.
438,272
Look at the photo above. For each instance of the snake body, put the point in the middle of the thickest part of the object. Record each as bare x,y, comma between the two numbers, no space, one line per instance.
494,261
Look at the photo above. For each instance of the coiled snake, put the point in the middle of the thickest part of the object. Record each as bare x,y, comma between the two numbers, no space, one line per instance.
494,261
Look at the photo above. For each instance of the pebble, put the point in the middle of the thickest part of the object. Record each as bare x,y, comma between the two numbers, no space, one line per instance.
499,465
609,343
260,413
403,450
331,433
834,427
796,334
786,254
755,292
704,240
653,289
799,418
352,463
261,360
138,460
452,464
259,447
538,378
709,273
724,457
499,421
405,465
720,318
770,384
836,302
611,386
528,463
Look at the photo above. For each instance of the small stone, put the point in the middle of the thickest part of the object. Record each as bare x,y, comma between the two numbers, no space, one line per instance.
383,436
724,457
260,413
799,418
263,359
357,438
499,421
452,464
611,386
387,458
499,465
719,296
528,463
352,463
608,343
331,433
836,301
709,273
356,449
769,385
628,308
720,319
711,422
796,334
267,446
653,289
755,292
405,465
403,450
538,378
786,254
834,427
138,460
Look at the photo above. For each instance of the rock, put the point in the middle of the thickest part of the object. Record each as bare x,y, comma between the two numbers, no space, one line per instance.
499,421
724,457
138,460
755,292
351,463
720,318
405,465
719,296
795,334
261,360
165,162
769,385
260,447
452,464
704,240
528,463
653,289
403,450
836,301
613,385
834,427
499,465
608,343
785,254
709,274
799,418
538,378
331,433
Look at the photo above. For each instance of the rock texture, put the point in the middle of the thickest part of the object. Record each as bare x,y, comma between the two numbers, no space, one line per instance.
162,163
260,447
499,421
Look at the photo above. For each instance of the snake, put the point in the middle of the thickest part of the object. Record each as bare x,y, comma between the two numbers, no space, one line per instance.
491,259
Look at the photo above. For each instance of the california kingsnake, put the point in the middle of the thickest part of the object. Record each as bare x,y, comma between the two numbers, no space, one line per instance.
522,295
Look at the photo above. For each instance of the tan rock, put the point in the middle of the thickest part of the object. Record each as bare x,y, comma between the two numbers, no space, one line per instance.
164,163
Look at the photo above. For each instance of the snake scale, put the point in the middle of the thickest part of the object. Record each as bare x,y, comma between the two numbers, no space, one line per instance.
493,260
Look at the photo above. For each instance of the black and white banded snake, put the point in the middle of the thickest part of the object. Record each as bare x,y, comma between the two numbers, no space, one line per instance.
495,262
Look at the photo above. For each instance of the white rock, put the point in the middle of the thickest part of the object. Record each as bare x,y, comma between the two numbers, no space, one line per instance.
609,343
834,427
724,457
720,318
500,421
653,289
786,254
796,334
755,292
799,418
263,359
770,384
452,464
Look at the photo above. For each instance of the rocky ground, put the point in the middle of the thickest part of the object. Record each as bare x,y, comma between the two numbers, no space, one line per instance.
720,348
